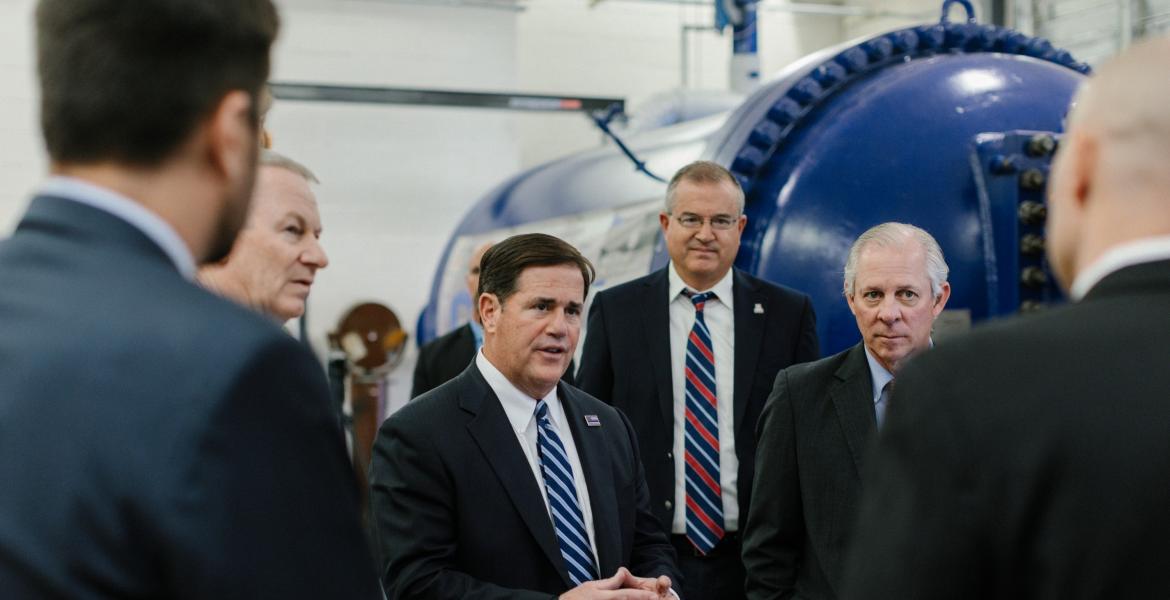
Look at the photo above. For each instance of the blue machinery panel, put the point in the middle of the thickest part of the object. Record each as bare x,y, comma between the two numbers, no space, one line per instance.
949,126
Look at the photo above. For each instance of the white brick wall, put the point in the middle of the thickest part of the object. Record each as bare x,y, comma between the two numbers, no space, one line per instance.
396,180
22,160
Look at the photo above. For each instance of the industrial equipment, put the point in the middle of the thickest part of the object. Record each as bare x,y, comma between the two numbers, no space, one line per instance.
948,126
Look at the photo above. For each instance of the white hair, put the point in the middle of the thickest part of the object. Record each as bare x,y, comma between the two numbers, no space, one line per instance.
271,158
889,235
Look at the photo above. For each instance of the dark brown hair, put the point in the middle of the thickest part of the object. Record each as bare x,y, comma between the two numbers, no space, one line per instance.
503,263
129,80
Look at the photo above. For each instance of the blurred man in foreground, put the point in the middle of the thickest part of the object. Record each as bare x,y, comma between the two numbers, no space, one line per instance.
157,441
1030,459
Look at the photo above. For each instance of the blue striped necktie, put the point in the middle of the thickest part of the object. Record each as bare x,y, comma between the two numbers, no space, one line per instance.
703,490
562,500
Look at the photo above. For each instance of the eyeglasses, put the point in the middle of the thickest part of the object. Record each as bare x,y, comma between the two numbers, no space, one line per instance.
718,222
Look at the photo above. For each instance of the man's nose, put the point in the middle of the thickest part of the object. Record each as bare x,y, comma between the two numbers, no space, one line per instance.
558,324
889,311
705,232
315,256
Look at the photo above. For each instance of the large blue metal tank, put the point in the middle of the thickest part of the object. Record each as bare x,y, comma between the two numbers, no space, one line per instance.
948,126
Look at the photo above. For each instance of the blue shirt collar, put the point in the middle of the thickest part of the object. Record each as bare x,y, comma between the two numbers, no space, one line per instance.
878,374
150,224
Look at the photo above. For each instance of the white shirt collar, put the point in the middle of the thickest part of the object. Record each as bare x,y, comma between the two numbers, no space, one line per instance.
518,406
1118,257
722,289
150,224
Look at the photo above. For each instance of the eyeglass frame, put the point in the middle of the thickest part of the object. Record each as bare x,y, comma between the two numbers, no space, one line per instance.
699,221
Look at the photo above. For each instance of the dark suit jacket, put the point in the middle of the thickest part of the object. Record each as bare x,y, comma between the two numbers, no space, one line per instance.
813,434
458,513
626,363
442,358
1030,459
448,355
158,441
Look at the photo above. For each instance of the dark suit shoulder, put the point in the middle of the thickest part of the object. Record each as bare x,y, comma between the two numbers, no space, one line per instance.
434,408
775,289
585,399
821,370
631,288
445,342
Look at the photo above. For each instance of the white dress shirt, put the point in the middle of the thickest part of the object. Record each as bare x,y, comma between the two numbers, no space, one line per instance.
719,315
521,412
150,224
1117,258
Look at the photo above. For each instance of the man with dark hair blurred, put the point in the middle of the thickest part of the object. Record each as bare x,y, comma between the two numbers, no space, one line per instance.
507,482
689,352
158,441
1030,458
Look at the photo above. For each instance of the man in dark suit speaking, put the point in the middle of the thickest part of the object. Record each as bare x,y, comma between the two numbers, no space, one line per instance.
689,352
1030,459
817,424
158,441
505,482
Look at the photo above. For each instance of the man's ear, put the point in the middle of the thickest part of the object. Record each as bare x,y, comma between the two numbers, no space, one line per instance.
940,301
232,137
489,311
1085,154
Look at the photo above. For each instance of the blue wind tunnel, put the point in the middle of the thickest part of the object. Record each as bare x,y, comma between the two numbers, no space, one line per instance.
948,126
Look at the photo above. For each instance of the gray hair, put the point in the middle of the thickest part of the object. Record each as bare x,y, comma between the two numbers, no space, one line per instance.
271,158
703,171
892,234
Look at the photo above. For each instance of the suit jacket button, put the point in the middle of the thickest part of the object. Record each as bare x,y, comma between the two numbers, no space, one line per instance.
669,505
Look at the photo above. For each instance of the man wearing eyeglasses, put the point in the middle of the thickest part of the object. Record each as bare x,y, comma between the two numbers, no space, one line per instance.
689,353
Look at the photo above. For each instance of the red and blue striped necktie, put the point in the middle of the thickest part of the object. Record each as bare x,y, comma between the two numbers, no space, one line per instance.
703,491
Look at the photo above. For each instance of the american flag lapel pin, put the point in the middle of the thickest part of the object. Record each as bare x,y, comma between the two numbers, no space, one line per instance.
592,421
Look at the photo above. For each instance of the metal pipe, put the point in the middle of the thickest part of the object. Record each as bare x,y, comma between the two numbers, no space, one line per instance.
508,5
1125,24
685,45
808,8
999,13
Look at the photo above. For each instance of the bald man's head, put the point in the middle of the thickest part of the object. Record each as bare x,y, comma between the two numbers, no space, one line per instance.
473,278
1109,181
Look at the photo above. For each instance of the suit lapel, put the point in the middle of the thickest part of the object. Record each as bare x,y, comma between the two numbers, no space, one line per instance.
852,393
595,461
749,337
497,440
657,330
